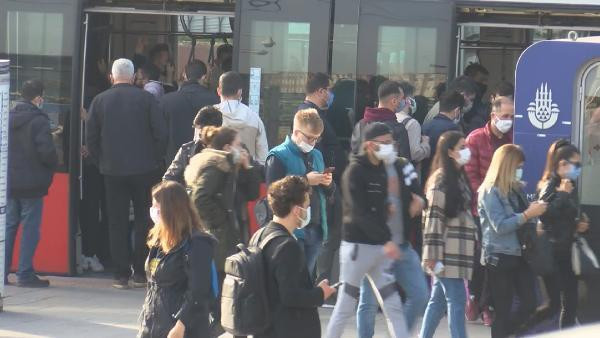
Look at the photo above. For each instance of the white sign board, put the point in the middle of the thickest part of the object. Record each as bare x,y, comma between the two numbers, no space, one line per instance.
254,91
4,108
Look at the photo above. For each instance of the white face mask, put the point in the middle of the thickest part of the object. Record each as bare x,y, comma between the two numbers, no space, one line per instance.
386,153
236,155
155,214
304,221
519,174
503,125
305,147
465,156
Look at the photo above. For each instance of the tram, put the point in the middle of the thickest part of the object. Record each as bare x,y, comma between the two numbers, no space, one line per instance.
276,43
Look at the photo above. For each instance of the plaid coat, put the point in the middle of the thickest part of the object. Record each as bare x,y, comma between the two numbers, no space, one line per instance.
449,240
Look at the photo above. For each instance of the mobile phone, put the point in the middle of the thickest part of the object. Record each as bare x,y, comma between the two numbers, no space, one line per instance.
329,170
337,285
547,198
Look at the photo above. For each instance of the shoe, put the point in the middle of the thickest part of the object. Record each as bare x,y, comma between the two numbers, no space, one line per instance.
94,264
472,309
488,317
139,281
85,262
121,283
34,282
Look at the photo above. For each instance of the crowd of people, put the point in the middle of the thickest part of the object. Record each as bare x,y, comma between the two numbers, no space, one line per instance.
428,213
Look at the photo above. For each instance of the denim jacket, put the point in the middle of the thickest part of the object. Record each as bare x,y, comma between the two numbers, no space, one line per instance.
499,224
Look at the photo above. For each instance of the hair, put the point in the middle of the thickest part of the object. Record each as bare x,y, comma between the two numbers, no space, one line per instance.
315,82
208,116
440,89
151,71
308,118
195,70
463,84
286,193
560,150
157,49
218,137
455,201
230,83
32,89
388,88
451,100
227,64
224,50
499,101
122,69
474,69
503,88
178,216
501,173
407,88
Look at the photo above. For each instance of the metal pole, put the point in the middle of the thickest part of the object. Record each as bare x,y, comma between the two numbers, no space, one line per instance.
4,99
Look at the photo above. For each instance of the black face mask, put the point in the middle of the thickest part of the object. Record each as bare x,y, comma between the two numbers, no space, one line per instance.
482,88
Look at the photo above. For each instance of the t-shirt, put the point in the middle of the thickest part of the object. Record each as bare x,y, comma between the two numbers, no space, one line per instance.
395,221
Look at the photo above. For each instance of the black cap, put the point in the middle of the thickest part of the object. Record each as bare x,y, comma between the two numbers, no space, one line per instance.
376,129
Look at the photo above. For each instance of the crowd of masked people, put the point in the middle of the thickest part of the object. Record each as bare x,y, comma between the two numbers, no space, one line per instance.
427,212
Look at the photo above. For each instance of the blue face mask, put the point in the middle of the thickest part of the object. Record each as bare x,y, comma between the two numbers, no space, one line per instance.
519,174
574,172
330,98
401,106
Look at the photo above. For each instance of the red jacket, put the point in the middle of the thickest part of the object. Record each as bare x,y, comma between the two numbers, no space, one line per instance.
482,143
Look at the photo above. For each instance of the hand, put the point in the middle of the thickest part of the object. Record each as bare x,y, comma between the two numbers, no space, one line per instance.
85,153
536,209
102,66
391,251
583,226
327,290
565,186
424,139
177,331
83,114
416,205
327,179
245,159
314,178
429,264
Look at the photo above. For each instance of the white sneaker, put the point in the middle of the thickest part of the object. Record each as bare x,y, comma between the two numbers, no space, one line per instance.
95,265
84,262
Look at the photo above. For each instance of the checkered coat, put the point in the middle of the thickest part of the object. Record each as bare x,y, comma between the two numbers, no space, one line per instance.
449,240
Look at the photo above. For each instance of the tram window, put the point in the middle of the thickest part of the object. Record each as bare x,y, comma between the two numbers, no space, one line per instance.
590,138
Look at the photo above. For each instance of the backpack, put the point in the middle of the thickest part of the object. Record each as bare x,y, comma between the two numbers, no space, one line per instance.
244,303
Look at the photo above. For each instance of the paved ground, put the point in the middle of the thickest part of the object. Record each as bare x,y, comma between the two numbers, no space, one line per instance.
89,307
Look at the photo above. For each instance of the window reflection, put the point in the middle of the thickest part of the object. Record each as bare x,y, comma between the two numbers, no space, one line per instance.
590,147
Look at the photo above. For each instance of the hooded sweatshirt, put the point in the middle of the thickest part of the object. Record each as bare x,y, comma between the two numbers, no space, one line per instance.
248,124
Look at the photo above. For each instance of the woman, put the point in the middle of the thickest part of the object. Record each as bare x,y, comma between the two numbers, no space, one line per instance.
561,221
449,235
178,268
503,209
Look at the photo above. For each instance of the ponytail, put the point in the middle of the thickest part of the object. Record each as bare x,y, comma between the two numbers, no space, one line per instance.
217,137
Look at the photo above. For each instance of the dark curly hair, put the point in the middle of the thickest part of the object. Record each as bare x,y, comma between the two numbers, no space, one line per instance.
286,193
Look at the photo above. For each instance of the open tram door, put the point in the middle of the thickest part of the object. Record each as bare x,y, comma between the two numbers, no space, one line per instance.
557,95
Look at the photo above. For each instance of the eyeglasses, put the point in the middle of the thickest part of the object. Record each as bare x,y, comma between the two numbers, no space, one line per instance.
310,139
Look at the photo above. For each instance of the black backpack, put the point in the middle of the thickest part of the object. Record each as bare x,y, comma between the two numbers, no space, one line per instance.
244,302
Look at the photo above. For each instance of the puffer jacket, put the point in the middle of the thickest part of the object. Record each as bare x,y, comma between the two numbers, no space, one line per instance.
179,288
213,180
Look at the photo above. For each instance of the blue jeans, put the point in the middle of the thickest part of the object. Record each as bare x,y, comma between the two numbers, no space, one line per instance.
28,212
311,246
450,293
411,278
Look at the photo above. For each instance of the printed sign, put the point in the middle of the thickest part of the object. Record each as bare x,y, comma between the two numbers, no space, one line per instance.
543,112
4,108
254,91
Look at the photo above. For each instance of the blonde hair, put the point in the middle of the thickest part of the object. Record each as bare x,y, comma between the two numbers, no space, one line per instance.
308,118
501,173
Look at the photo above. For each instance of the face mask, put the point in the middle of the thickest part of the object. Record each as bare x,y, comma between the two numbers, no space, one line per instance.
413,105
196,135
519,174
465,156
306,219
155,214
330,98
503,125
573,172
467,107
401,106
457,119
385,152
305,147
236,155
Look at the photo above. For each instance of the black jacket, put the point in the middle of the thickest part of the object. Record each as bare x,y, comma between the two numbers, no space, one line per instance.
32,155
126,131
434,129
181,161
365,200
179,288
293,298
180,108
560,219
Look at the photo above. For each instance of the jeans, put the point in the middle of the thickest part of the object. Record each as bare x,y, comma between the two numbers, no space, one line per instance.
311,245
450,293
28,212
411,278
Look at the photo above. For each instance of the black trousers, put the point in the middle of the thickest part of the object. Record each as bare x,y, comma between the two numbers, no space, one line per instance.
93,218
511,276
120,191
326,259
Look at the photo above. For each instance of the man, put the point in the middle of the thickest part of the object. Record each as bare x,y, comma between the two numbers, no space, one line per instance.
404,195
32,159
419,144
478,73
181,106
478,116
147,78
207,116
451,105
390,97
297,156
293,298
127,134
463,85
238,116
220,65
368,248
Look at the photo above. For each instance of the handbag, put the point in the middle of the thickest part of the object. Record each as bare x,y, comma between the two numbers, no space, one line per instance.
583,259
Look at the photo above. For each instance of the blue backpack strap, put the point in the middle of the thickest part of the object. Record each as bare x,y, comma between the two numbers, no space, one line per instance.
214,279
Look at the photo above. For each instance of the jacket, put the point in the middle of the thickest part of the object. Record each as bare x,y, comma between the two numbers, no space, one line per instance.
180,108
126,131
388,117
560,219
248,124
499,223
214,181
155,88
365,200
292,296
449,240
419,149
181,161
434,129
483,143
32,155
179,288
